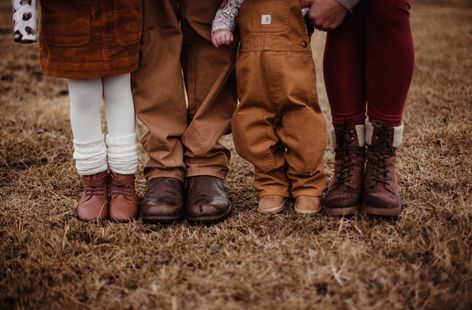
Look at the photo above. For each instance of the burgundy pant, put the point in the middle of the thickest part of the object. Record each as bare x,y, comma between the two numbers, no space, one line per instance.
368,63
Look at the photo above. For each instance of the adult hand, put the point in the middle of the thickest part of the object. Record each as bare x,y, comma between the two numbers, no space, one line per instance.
327,15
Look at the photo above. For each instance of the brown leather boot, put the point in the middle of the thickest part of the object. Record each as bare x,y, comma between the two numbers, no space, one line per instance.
307,205
272,204
123,199
207,201
344,195
93,204
163,201
381,190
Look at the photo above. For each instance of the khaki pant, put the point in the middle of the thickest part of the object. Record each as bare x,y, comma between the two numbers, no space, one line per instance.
176,51
278,125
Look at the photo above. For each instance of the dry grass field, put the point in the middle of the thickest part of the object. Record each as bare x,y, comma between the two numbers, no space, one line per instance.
50,260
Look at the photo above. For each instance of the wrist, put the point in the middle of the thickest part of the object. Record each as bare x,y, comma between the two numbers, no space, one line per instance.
348,4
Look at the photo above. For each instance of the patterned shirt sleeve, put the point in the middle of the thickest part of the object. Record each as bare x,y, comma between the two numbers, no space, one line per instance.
25,21
227,17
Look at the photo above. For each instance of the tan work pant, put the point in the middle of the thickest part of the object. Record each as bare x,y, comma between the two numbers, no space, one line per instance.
278,125
176,54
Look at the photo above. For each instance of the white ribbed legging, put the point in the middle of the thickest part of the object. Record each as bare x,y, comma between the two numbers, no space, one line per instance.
91,153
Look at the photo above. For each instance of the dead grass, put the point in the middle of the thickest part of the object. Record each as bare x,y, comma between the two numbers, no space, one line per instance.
48,259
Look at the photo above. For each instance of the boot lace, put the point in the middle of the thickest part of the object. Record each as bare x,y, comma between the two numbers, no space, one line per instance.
94,189
346,150
121,189
381,151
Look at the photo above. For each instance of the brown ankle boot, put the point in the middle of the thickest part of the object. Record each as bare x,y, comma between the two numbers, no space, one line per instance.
381,190
344,195
123,199
93,204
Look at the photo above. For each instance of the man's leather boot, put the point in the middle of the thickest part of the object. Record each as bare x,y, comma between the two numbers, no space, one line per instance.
381,190
93,204
163,201
207,201
123,199
344,195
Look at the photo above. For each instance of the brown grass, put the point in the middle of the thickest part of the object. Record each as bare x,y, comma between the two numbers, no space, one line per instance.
48,259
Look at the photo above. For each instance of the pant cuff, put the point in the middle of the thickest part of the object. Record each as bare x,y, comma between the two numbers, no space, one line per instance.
196,172
279,192
155,173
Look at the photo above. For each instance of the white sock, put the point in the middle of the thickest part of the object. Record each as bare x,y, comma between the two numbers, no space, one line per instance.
90,157
123,154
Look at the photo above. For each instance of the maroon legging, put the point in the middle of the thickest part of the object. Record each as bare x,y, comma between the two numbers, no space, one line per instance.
368,63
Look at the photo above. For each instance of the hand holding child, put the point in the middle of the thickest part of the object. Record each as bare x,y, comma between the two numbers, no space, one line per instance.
222,37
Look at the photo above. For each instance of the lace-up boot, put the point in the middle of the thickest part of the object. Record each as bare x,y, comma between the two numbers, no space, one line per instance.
93,204
123,199
344,195
381,190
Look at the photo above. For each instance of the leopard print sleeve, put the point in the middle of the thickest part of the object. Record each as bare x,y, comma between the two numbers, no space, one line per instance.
227,17
25,21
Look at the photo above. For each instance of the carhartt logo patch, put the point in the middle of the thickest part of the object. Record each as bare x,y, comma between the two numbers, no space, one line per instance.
266,19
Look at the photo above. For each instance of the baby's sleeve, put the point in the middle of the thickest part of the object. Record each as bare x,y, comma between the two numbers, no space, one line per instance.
227,17
25,21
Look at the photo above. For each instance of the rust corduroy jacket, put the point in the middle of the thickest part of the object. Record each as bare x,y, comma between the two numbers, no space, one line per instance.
90,39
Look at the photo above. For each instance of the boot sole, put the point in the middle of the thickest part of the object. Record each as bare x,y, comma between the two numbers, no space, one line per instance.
162,219
307,212
341,211
382,211
207,220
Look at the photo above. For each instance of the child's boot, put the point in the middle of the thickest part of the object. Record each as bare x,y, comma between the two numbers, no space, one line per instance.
307,205
381,190
272,204
91,163
93,204
344,196
123,199
123,161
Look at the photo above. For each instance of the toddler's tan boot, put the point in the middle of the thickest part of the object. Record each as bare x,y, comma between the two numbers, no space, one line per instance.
307,205
272,204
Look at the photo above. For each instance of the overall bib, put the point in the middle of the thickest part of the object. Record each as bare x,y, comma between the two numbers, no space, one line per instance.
278,125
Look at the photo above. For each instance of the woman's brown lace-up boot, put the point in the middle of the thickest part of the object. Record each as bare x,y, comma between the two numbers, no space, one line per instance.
93,204
344,196
381,190
123,199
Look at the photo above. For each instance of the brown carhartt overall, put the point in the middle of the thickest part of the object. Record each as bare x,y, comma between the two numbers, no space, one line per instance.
184,142
278,125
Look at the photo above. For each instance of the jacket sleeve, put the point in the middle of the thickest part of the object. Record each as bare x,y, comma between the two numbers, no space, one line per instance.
349,4
25,21
227,17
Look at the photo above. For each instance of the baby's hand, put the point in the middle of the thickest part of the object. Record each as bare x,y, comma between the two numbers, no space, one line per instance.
222,37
